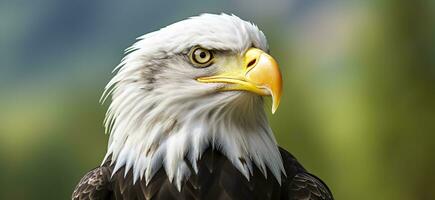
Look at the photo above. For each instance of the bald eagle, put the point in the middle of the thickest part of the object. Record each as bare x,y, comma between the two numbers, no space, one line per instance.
186,119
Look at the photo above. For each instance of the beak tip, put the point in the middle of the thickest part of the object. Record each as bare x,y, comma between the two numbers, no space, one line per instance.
274,107
275,102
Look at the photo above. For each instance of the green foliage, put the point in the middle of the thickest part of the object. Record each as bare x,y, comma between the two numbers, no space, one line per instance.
358,108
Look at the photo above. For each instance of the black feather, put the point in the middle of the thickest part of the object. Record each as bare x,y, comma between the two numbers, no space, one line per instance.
217,179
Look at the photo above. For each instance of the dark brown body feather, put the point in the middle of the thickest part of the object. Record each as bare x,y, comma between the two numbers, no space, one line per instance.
217,179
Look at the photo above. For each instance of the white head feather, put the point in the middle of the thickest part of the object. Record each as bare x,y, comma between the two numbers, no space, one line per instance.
160,114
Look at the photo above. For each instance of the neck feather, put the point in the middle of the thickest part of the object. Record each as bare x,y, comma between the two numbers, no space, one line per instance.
168,131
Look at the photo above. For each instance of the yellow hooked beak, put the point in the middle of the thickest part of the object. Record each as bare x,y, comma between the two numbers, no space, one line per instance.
259,74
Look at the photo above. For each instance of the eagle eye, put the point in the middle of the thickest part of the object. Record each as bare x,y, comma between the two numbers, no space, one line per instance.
200,57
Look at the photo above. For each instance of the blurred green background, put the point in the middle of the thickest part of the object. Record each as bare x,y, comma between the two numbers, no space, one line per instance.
358,108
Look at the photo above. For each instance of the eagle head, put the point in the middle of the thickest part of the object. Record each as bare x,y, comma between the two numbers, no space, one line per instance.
196,84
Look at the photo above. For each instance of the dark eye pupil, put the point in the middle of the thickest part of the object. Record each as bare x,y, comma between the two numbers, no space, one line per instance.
202,55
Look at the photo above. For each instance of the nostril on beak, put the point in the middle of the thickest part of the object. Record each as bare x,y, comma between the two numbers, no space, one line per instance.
251,63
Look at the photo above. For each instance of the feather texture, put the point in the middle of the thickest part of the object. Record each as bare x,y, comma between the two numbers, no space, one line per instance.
172,137
159,113
217,178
